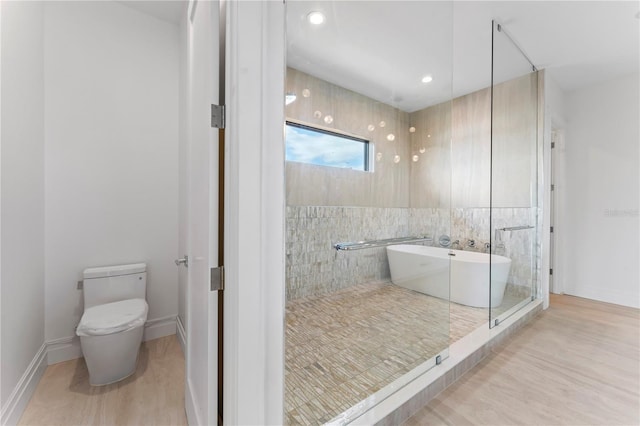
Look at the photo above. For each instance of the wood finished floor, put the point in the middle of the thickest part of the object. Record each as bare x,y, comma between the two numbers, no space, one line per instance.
154,395
577,363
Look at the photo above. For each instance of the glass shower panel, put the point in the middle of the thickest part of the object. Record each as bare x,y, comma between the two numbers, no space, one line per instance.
514,181
368,198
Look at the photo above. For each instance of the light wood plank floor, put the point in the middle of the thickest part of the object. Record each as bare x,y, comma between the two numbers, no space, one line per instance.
577,363
154,395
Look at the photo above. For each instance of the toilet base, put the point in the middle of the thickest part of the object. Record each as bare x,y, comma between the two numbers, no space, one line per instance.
112,357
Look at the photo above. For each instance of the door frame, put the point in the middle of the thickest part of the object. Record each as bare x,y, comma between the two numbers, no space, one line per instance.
254,296
557,177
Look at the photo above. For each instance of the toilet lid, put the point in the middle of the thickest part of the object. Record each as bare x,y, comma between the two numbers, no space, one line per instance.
113,317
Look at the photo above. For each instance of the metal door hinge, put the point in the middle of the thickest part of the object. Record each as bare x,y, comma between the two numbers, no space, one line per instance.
438,359
217,278
551,271
551,230
217,116
553,144
553,187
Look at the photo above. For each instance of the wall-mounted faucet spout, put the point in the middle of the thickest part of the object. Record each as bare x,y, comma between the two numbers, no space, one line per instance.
498,239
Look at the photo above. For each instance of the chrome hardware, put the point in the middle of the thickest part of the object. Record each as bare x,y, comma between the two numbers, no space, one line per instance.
359,245
80,285
444,241
217,278
456,242
217,116
515,228
498,239
471,243
438,359
184,261
487,247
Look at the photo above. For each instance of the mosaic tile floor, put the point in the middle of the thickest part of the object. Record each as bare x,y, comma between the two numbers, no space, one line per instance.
342,347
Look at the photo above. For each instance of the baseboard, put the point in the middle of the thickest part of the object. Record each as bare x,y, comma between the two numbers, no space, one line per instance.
63,349
159,327
190,407
607,295
182,335
19,398
68,348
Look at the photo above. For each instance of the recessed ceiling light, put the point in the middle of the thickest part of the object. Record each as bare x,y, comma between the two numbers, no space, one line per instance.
315,18
427,79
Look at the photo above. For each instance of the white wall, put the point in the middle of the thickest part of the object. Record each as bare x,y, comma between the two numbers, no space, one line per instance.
111,125
602,192
22,177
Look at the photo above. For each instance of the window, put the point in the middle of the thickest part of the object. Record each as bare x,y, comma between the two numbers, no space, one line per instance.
310,145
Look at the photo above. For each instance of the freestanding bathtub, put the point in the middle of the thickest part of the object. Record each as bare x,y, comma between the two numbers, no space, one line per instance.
427,270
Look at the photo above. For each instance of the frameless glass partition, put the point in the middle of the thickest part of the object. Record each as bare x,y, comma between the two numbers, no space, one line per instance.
411,197
514,177
368,193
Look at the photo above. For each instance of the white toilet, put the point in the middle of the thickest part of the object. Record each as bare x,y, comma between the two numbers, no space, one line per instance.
111,327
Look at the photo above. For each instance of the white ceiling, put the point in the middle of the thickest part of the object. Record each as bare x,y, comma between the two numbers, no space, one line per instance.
383,48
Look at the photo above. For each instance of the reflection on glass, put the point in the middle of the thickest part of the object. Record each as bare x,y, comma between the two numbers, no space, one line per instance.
360,323
514,156
355,330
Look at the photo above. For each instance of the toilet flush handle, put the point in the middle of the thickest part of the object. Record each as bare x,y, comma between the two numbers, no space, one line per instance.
184,261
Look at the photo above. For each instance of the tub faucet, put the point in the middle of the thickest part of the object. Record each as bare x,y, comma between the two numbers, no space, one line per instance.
456,242
487,247
471,243
498,239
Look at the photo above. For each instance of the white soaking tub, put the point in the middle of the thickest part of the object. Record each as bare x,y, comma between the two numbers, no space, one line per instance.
427,270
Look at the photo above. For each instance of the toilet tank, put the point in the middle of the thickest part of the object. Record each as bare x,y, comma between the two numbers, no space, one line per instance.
114,283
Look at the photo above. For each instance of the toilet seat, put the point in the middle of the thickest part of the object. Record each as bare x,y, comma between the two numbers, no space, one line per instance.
114,317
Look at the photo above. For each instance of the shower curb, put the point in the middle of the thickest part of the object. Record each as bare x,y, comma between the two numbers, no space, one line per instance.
463,356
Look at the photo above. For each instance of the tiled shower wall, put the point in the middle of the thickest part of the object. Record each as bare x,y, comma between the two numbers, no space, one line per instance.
466,224
394,200
314,267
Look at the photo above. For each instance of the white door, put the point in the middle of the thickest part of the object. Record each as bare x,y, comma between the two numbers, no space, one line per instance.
201,397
